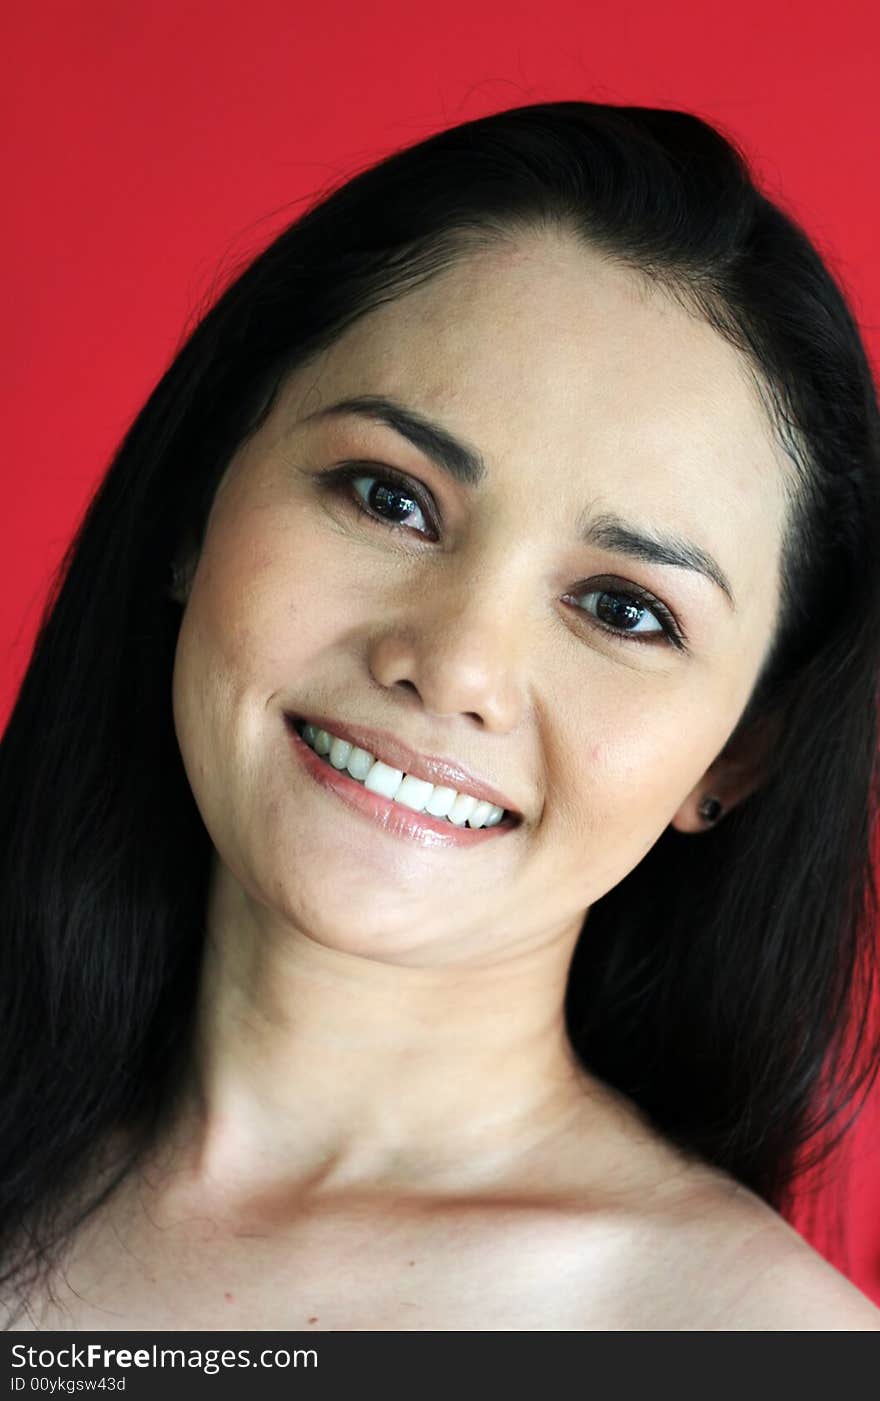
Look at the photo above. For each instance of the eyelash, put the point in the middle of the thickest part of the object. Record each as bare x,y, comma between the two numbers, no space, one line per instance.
341,479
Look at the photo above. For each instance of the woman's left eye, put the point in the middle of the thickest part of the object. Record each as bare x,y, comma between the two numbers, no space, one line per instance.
390,501
621,605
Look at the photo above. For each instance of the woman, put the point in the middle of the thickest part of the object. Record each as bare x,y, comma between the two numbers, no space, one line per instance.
439,905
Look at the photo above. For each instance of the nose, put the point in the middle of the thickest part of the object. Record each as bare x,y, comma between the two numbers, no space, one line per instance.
459,647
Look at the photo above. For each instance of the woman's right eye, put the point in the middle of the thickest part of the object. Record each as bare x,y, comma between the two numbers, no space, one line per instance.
383,498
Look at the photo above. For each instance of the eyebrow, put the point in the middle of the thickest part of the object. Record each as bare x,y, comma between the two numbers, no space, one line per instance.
465,464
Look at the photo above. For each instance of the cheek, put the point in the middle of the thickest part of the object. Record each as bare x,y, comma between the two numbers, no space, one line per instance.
630,769
612,803
264,599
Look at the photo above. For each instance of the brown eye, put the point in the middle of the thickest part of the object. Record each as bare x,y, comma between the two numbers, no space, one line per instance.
384,498
628,612
390,502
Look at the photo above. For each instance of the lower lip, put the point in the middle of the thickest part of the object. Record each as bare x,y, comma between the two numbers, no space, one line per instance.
393,817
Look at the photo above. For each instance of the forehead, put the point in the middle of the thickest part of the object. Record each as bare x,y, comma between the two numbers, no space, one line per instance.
556,363
548,331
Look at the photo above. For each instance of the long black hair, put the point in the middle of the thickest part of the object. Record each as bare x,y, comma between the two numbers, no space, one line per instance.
725,984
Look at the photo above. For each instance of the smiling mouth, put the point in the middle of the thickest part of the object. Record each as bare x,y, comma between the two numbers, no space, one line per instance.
443,804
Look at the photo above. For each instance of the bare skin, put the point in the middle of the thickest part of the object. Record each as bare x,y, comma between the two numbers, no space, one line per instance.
384,1126
636,1238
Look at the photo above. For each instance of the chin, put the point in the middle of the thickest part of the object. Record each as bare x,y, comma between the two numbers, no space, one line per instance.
379,931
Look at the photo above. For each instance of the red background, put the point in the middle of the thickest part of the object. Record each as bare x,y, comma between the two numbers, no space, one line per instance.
152,145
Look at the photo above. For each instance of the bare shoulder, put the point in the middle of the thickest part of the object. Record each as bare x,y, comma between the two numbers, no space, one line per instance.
665,1241
800,1291
780,1282
740,1266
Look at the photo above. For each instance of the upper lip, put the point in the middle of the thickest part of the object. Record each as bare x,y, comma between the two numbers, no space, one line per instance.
391,750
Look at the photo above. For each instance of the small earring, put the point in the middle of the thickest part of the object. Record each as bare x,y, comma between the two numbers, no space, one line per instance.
710,809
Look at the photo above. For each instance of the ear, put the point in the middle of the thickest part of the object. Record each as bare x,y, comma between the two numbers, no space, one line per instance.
181,573
739,770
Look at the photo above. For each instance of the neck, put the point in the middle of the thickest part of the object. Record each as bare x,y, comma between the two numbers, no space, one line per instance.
317,1069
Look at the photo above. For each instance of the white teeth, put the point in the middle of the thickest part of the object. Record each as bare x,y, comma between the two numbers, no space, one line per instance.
461,809
359,763
415,793
339,752
383,779
440,801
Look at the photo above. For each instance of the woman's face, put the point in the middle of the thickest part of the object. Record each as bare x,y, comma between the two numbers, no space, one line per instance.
481,623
